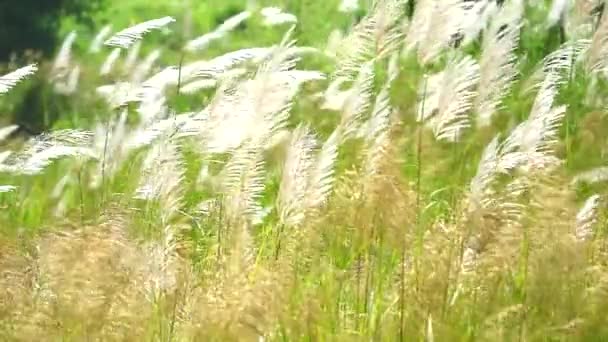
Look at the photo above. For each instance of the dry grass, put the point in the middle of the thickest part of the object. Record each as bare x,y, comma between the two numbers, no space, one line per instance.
422,187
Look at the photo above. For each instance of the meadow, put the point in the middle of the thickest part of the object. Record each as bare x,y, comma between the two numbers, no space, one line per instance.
299,170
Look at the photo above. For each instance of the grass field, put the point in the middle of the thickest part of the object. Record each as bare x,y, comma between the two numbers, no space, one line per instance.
230,171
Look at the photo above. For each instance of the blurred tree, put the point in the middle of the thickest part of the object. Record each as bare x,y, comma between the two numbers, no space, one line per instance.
32,24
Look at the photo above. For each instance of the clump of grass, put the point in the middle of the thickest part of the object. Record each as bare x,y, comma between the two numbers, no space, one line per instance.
415,178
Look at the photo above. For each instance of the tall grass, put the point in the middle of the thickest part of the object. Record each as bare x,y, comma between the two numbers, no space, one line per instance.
429,175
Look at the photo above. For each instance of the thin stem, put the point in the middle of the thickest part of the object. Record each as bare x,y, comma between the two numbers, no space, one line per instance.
81,193
278,239
419,152
567,118
103,164
219,234
419,156
179,73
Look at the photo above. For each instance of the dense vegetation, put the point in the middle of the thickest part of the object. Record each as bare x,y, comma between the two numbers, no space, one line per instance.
32,24
320,170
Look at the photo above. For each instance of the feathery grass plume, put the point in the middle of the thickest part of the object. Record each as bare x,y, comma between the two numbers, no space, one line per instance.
131,58
221,64
7,188
110,91
198,85
561,61
162,175
349,6
155,86
434,26
451,99
255,107
108,64
333,97
61,185
6,132
202,42
161,266
379,120
296,173
281,57
483,198
377,135
70,85
219,67
430,336
120,94
362,254
393,69
372,202
233,22
21,293
4,156
333,45
44,149
536,137
9,81
498,66
477,17
243,182
41,160
152,104
194,125
143,69
544,232
243,301
274,16
580,20
494,214
64,75
322,175
127,37
151,109
490,207
420,24
91,279
596,175
548,90
64,56
587,218
108,144
100,37
558,11
149,92
597,54
68,137
232,119
357,102
296,78
377,36
480,191
148,134
529,147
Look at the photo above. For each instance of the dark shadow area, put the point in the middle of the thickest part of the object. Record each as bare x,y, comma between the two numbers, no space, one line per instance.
32,24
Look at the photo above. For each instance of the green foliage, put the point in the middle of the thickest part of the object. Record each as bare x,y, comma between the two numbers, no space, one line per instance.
32,25
381,262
